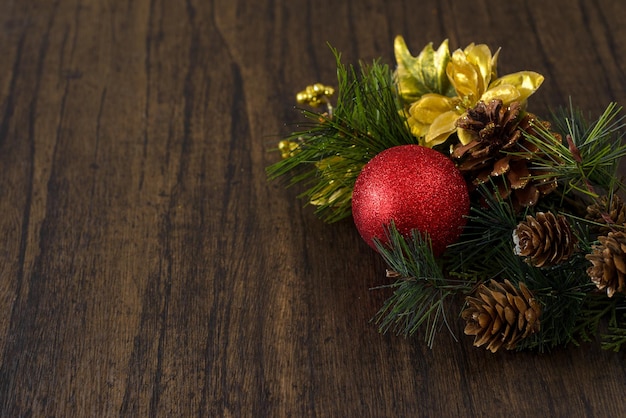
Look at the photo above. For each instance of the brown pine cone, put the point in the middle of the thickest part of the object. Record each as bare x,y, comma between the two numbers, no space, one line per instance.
501,315
545,240
607,212
608,259
494,131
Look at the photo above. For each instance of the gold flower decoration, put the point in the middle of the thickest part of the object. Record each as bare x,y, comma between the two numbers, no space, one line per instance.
425,73
472,72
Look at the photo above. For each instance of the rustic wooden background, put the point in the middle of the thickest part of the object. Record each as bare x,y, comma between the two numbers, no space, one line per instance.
148,268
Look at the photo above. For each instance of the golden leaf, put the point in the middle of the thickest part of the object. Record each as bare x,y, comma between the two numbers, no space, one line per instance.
426,73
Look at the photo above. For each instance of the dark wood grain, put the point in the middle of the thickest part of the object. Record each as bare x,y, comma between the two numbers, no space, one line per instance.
147,267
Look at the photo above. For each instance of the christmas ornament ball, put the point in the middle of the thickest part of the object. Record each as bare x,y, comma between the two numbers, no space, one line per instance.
416,188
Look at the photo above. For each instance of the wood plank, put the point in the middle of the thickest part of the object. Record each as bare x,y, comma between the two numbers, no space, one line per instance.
148,267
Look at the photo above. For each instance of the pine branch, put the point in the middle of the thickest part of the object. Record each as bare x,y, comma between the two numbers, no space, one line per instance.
614,340
331,151
562,291
596,308
487,235
422,291
586,159
615,337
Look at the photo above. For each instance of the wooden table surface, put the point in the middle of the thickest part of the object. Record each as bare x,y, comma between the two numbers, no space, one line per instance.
147,266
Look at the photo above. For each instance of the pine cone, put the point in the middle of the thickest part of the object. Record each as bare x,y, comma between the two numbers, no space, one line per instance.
607,211
545,240
501,315
608,259
494,131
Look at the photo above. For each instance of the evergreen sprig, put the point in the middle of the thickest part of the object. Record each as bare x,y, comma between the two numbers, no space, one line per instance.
586,158
485,237
334,147
614,338
421,289
562,292
596,308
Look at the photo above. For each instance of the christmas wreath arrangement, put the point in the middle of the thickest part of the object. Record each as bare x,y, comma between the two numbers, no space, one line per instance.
480,208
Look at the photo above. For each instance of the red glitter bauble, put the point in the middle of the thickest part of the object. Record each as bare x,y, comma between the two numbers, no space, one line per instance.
416,188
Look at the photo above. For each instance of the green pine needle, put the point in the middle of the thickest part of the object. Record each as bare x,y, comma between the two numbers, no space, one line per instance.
333,148
487,235
597,312
615,337
586,158
421,291
562,292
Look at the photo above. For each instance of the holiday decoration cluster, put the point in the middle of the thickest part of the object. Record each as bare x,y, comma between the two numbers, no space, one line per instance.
483,211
